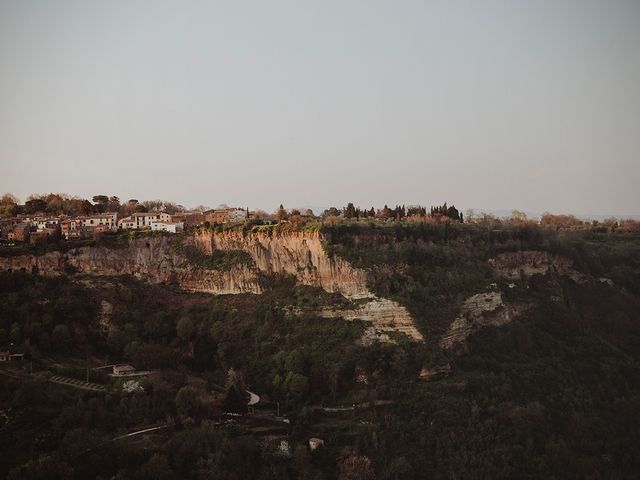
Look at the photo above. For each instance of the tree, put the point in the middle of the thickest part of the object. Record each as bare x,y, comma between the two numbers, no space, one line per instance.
132,206
331,212
518,215
35,205
61,338
471,215
281,213
235,400
400,469
349,211
559,221
185,328
15,334
8,205
385,213
187,402
297,386
8,198
157,468
355,467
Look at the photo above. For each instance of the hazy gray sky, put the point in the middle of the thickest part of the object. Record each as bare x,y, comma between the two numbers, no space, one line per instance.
495,104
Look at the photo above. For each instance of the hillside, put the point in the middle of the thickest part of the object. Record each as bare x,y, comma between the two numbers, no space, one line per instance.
413,350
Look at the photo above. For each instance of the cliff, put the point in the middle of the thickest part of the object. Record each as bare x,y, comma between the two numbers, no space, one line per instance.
300,254
478,311
384,315
515,265
489,309
295,253
149,258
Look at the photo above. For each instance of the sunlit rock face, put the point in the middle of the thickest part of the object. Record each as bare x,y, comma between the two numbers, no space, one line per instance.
295,253
478,311
385,317
302,254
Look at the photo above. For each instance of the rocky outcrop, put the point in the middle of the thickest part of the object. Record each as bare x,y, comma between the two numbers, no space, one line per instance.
104,315
302,254
385,316
295,253
488,308
515,265
478,311
149,258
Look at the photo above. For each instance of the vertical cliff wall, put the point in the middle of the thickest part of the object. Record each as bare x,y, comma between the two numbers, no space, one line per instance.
301,254
148,258
296,253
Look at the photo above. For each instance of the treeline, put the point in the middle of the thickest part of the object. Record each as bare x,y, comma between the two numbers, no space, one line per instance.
399,212
64,204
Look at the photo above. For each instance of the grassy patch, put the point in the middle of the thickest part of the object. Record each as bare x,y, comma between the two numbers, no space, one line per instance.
218,259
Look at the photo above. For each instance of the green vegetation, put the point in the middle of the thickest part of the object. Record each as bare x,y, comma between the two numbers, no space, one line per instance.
432,267
222,260
553,394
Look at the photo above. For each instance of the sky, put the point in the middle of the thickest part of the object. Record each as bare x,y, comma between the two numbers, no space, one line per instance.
530,105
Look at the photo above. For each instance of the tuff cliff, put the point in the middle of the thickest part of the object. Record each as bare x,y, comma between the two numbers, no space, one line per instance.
489,308
149,258
478,311
515,265
302,254
295,253
157,260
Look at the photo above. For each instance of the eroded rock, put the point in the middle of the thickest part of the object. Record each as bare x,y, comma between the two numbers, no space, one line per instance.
478,311
384,315
516,265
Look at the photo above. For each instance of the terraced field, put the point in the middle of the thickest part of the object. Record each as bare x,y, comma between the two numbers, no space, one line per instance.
74,382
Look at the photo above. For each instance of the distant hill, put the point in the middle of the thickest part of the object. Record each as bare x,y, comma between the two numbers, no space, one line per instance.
537,215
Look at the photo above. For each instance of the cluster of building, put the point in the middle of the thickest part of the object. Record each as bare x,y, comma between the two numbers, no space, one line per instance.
39,228
7,356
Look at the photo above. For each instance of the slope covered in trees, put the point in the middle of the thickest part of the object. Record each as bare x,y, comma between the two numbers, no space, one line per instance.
553,393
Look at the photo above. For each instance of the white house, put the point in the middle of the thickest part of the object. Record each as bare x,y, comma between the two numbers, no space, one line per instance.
173,227
126,223
109,220
143,220
45,222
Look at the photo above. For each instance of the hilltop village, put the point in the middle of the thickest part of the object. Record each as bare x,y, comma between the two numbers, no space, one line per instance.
143,340
39,227
56,217
53,217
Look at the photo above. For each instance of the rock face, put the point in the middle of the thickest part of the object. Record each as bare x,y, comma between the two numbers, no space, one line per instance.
514,265
384,315
478,311
488,308
302,254
150,258
296,253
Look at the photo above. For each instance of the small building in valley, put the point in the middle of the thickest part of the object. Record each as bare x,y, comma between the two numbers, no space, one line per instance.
315,443
10,357
123,370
